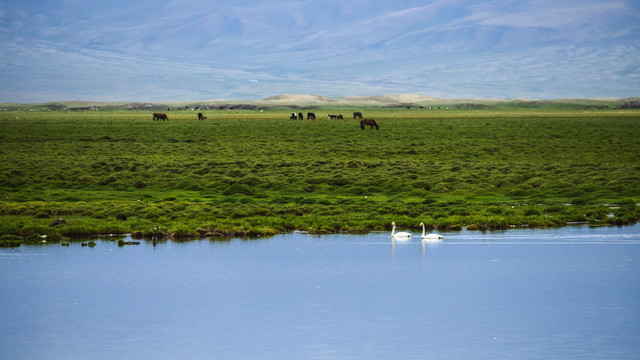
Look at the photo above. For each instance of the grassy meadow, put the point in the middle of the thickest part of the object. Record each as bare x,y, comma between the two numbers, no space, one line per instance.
257,173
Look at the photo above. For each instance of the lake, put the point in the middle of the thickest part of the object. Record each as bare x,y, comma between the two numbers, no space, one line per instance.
567,293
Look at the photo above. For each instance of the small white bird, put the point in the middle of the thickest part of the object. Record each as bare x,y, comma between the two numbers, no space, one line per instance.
430,237
402,235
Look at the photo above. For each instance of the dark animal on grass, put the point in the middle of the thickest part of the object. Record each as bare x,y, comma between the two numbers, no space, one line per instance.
160,116
340,117
357,115
200,116
311,116
369,122
300,116
293,116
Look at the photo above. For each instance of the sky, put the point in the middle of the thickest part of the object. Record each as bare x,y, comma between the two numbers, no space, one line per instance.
191,50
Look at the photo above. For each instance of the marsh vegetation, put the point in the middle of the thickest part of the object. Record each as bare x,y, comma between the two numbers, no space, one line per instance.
251,173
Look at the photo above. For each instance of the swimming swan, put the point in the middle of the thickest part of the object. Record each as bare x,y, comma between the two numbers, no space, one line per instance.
430,237
400,235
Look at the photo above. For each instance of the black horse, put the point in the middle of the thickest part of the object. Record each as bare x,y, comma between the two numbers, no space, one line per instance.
300,116
369,122
357,115
311,116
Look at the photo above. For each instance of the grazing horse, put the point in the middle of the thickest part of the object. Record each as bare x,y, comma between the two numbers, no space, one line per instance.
200,116
369,122
357,115
340,117
311,116
300,116
293,116
160,116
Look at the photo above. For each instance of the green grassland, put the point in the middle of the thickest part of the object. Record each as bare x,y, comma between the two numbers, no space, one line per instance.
252,172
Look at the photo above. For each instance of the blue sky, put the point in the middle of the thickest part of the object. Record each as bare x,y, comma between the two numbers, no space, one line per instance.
190,50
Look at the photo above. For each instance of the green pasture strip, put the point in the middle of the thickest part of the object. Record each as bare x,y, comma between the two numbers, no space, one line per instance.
252,172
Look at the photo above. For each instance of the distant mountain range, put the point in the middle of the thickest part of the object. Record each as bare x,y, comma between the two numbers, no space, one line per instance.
197,49
297,100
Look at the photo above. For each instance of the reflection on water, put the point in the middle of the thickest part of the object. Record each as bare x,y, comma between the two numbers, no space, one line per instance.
526,294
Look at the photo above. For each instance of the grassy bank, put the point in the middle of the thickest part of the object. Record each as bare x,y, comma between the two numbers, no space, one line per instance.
259,173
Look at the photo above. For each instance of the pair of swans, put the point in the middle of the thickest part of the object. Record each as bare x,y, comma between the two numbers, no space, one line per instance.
403,235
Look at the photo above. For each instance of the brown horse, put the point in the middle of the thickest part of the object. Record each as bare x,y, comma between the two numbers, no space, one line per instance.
160,116
369,122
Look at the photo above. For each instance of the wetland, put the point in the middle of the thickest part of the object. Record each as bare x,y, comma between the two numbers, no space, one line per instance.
258,173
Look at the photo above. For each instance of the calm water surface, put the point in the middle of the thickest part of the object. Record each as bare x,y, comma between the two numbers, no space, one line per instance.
570,293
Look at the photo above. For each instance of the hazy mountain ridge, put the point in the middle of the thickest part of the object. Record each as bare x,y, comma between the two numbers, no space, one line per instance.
251,50
285,100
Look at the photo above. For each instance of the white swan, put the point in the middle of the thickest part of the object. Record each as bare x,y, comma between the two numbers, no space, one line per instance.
402,235
430,237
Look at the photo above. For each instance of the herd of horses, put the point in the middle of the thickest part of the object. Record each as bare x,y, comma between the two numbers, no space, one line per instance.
294,116
310,116
356,115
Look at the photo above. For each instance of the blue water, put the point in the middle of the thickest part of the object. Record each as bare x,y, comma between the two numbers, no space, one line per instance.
569,293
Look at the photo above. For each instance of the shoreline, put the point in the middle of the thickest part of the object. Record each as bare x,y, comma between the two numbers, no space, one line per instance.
14,241
66,228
